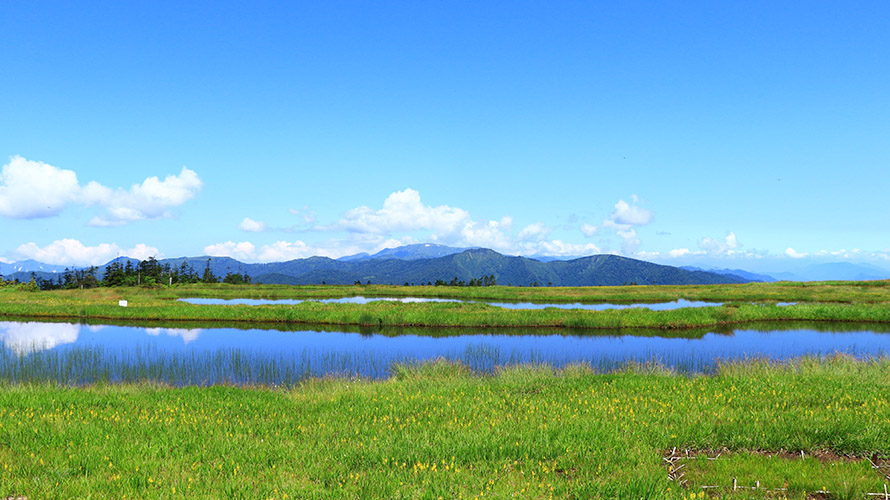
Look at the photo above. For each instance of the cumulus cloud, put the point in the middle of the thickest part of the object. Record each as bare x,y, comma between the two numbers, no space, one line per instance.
630,214
726,246
252,226
403,211
628,234
647,255
623,220
306,213
32,189
790,252
403,218
242,251
855,253
588,229
536,231
68,251
481,234
680,252
281,251
150,200
560,248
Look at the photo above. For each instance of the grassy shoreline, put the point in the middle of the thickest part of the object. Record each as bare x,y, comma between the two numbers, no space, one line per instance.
438,430
840,302
825,291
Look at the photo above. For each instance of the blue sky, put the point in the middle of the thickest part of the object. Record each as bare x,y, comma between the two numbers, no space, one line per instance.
746,134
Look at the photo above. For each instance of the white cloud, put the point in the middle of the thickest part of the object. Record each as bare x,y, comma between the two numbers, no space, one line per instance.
150,200
306,213
403,211
141,252
32,189
281,251
727,246
482,234
559,248
647,255
790,252
68,251
536,231
588,229
623,219
252,226
633,215
680,252
849,254
244,250
627,233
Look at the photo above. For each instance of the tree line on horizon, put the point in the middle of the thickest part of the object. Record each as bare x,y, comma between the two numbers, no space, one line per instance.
148,272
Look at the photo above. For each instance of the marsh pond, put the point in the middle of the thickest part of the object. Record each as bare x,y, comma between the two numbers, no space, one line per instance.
201,354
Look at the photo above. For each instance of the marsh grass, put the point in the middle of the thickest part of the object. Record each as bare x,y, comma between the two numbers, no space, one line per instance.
85,365
785,475
832,302
826,291
440,430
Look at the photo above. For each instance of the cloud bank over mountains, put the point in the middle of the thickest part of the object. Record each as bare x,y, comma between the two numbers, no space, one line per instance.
404,219
71,252
33,190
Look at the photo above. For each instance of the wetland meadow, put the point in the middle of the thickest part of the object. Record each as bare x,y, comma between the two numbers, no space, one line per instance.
759,390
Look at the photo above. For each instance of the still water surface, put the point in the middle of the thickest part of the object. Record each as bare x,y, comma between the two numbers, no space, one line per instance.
77,353
661,306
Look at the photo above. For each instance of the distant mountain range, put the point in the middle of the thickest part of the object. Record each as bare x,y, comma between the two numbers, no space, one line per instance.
835,271
409,266
407,252
478,262
838,271
427,263
26,266
735,272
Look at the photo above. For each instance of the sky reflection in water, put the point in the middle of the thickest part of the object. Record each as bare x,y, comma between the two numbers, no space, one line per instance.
372,354
662,306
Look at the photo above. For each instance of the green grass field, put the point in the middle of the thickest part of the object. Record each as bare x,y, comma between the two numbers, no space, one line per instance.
439,431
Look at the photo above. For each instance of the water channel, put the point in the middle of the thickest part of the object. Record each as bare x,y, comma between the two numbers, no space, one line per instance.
208,354
659,306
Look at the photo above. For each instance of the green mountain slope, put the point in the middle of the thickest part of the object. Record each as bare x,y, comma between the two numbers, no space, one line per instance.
464,266
476,263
